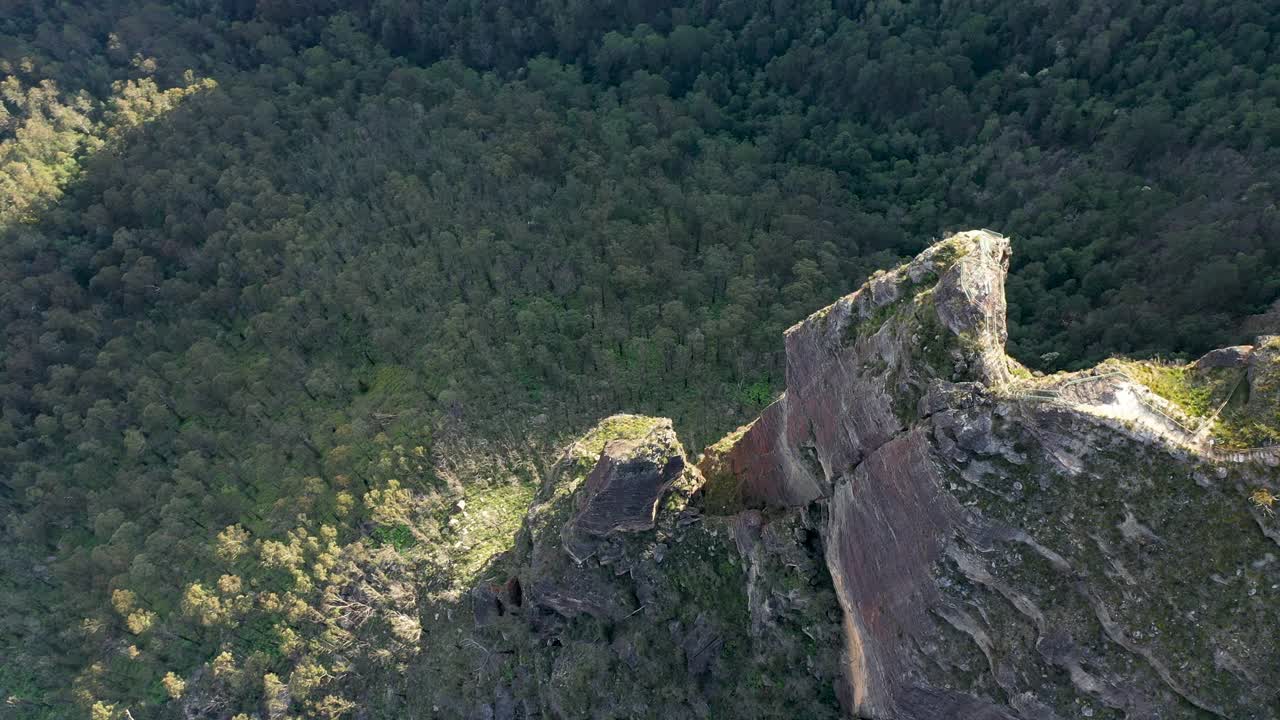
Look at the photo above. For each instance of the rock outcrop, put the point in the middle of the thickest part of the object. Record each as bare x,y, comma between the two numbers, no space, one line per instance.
997,554
622,492
1264,376
857,369
918,529
622,598
1236,356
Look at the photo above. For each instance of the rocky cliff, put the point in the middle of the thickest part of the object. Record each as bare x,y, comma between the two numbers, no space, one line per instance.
919,528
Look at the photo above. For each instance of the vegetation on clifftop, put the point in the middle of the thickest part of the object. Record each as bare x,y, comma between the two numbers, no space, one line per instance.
1238,403
1252,419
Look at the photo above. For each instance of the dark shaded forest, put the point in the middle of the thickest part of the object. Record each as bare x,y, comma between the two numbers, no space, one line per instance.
267,267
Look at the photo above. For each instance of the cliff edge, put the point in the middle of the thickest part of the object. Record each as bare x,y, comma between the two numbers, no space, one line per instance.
1010,546
918,528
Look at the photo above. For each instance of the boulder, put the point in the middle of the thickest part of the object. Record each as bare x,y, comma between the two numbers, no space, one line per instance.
1236,356
623,490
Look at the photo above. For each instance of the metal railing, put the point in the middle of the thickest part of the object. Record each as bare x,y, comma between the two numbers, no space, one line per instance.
1246,454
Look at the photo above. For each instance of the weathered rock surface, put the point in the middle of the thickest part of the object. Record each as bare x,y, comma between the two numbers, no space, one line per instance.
1235,356
917,530
622,492
1264,376
856,369
632,603
1001,548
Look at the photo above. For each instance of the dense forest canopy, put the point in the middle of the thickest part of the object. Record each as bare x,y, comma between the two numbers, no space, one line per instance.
269,269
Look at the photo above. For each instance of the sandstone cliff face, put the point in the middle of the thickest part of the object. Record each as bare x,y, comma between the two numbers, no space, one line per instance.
856,369
996,555
917,529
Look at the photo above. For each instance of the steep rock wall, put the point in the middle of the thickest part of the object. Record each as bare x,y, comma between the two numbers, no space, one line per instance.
856,368
995,556
918,529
